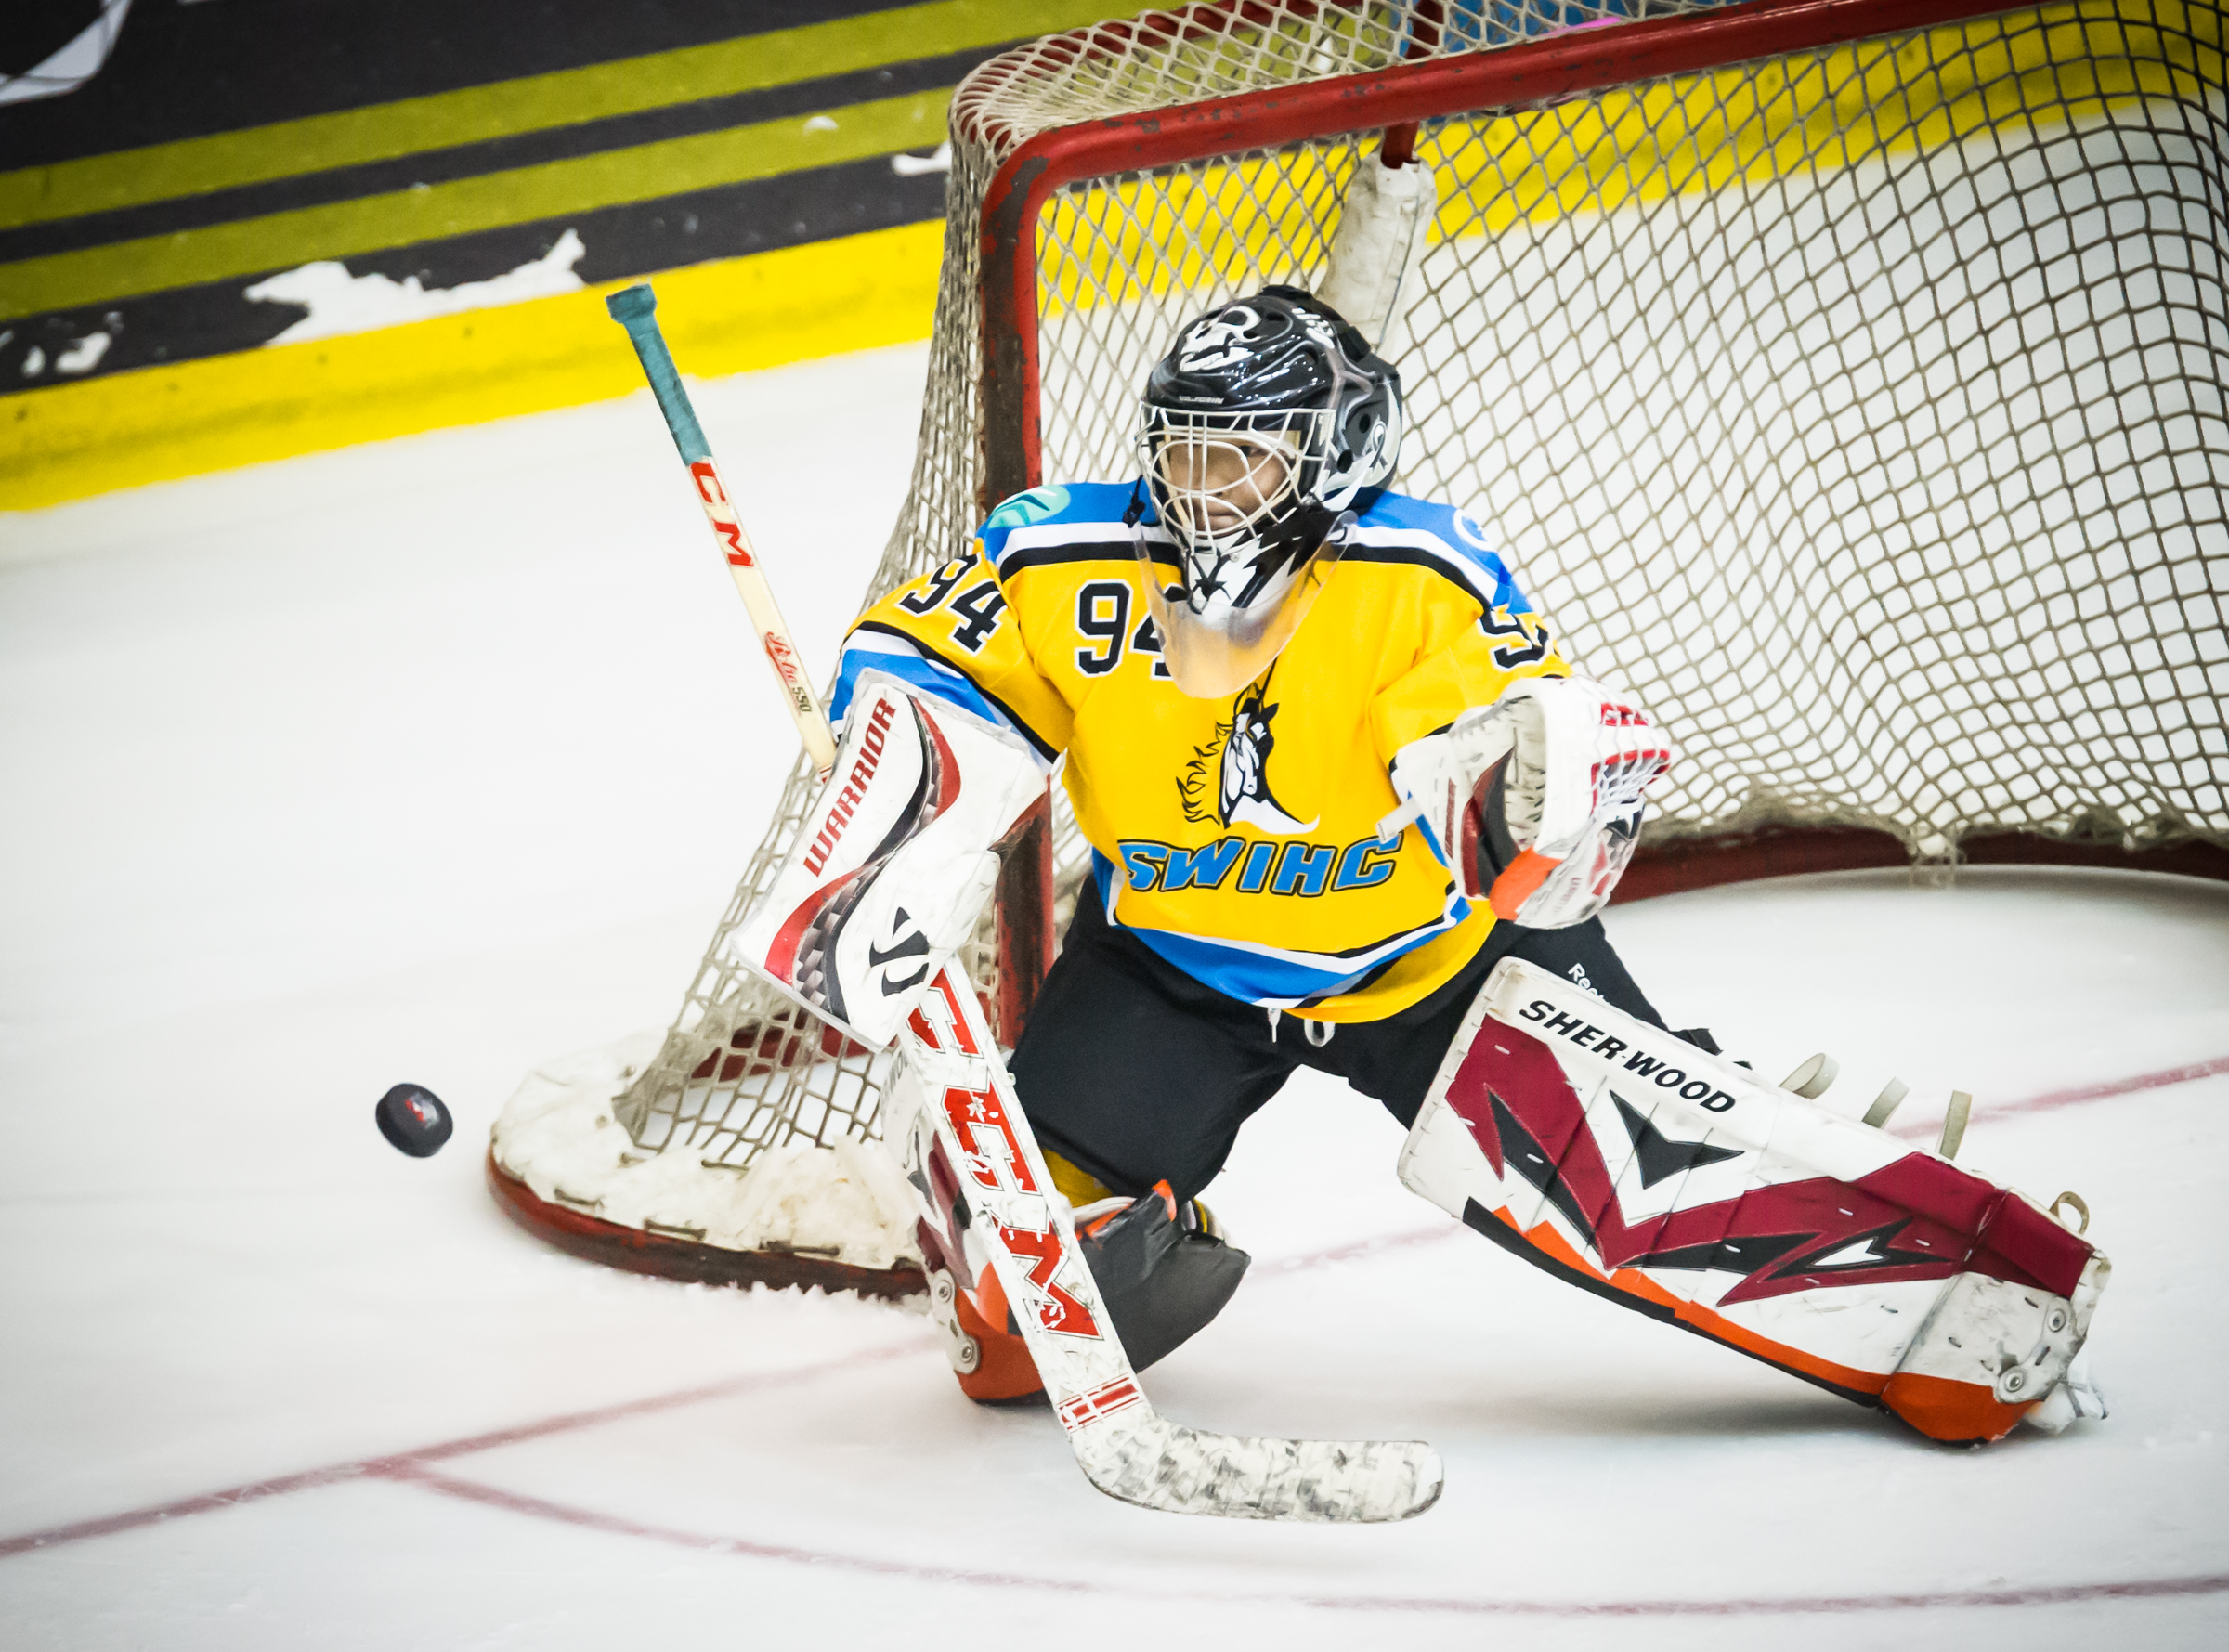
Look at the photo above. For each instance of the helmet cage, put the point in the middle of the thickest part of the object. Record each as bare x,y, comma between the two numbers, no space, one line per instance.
1243,540
1272,381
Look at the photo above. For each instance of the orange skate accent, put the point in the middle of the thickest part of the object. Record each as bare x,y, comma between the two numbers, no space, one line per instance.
1945,1410
1006,1370
1092,1229
990,1300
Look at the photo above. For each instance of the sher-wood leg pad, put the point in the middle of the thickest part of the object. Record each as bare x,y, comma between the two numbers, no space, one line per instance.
1632,1163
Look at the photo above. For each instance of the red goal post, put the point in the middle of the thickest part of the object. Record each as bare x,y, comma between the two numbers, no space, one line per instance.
1842,377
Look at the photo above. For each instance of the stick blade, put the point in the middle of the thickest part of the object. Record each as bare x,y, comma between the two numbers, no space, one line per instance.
1155,1463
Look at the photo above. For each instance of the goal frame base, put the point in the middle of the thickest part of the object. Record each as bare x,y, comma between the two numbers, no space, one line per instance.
1790,851
635,1250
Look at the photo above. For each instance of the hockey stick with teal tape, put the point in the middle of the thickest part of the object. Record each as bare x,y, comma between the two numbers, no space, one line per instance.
636,309
957,1090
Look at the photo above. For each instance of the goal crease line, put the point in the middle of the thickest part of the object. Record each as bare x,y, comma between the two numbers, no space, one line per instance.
400,1466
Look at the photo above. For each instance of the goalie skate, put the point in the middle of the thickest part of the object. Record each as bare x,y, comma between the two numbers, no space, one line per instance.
1632,1163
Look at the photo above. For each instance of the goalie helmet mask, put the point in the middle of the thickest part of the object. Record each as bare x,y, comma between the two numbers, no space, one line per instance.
1259,430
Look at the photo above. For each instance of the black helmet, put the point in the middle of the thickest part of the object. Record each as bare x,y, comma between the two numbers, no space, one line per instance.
1258,429
1284,360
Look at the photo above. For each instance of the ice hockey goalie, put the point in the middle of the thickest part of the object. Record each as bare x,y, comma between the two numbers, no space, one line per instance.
1352,809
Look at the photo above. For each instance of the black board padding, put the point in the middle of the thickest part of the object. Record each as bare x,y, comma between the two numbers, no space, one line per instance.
412,1118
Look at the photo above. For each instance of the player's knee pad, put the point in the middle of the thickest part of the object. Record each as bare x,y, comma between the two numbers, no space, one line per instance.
1637,1165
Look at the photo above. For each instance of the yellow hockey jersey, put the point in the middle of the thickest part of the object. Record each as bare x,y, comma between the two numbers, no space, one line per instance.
1237,838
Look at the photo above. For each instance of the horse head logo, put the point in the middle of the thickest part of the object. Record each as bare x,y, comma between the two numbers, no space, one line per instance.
1246,795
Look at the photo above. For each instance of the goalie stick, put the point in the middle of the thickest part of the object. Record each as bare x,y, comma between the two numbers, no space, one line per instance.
954,1092
636,309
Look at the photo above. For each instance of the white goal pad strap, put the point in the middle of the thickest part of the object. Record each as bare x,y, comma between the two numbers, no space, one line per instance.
1629,1162
893,861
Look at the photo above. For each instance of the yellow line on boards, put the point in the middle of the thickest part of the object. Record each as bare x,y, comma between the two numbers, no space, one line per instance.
493,201
564,97
731,316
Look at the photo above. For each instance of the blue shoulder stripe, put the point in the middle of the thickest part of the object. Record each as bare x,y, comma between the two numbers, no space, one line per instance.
1091,509
1460,549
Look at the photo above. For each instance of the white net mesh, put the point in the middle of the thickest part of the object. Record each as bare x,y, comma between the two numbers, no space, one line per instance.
1861,411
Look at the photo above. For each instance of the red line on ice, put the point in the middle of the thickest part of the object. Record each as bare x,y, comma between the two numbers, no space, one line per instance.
1358,1250
618,1525
1766,1606
2051,1100
393,1465
398,1466
2119,1086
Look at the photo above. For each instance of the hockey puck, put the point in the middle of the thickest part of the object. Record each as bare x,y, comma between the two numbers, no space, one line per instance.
412,1118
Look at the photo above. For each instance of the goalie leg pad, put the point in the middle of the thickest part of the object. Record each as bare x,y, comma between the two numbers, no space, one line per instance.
1624,1160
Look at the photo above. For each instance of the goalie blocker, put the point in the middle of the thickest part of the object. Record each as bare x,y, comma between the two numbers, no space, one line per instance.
1627,1161
894,862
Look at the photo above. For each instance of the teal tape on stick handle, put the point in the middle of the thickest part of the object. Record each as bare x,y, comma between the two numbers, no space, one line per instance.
635,309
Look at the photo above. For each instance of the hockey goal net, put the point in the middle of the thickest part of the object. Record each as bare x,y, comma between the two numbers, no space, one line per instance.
1844,377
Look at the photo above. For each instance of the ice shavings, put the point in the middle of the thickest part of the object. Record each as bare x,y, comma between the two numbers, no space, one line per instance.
557,1133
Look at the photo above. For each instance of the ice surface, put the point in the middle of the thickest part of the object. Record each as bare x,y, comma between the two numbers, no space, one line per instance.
437,760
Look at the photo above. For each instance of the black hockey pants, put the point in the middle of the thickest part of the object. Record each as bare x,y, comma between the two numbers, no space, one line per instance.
1131,1070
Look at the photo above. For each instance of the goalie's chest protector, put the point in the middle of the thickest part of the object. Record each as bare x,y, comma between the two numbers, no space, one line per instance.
1238,837
1253,820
